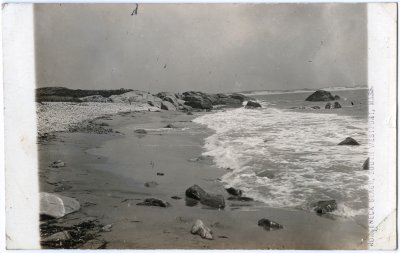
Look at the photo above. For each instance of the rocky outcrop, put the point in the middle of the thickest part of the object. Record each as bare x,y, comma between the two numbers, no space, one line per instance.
320,95
211,200
337,105
154,202
238,96
197,100
366,164
269,224
95,98
165,105
325,206
252,104
202,230
349,141
57,206
234,192
132,96
337,97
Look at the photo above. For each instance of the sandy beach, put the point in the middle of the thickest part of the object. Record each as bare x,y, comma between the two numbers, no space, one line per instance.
107,174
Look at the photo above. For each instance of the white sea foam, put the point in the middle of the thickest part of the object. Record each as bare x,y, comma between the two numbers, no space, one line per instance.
298,149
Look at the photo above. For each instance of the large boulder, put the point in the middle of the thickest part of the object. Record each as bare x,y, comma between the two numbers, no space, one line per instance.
366,164
269,224
154,202
325,206
234,191
57,206
337,105
198,100
349,141
211,200
165,105
252,104
320,95
202,230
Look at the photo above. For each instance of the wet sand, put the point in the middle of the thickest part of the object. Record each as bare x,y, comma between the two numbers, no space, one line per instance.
107,173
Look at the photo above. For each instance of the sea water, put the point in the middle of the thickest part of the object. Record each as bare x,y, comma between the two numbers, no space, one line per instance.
286,154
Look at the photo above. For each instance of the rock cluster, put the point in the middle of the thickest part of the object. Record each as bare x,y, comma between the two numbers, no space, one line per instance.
212,200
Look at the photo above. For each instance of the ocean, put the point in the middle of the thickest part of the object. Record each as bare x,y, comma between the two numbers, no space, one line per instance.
285,154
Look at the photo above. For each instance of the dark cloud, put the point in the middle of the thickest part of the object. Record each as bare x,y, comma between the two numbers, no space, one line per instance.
208,47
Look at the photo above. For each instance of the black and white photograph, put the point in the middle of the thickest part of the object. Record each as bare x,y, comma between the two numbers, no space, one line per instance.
206,126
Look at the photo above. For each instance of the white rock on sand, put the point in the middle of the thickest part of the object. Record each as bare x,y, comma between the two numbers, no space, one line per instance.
57,206
58,116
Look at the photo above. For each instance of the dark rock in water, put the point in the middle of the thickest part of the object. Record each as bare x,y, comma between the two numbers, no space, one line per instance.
328,106
191,202
198,100
202,230
140,131
175,197
320,95
238,96
349,141
337,97
234,192
366,164
153,202
337,105
201,104
151,184
196,192
269,225
160,174
240,198
170,126
266,173
57,164
252,104
325,206
316,107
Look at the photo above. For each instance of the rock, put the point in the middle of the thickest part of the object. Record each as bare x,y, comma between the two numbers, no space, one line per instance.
57,164
175,197
337,105
269,225
94,244
366,164
234,192
200,229
165,105
266,173
140,131
238,96
170,126
240,198
154,202
325,206
155,104
211,200
106,228
228,101
349,141
316,107
201,104
160,174
151,184
252,104
132,96
57,206
95,98
172,99
190,113
328,106
198,100
59,236
337,97
320,95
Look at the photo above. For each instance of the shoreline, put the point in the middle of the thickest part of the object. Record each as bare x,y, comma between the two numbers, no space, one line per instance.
111,183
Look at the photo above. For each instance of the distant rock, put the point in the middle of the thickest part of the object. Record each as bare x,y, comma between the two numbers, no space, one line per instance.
202,230
337,97
325,206
316,107
151,184
238,96
57,206
337,105
95,98
160,174
165,105
234,192
154,202
57,164
132,96
154,103
176,197
328,106
269,225
252,104
240,198
170,126
320,95
366,164
211,200
349,141
198,102
140,131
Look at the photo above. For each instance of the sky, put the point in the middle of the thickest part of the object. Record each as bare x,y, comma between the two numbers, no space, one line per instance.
203,47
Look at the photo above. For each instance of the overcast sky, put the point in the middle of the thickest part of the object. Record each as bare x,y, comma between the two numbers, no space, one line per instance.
206,47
